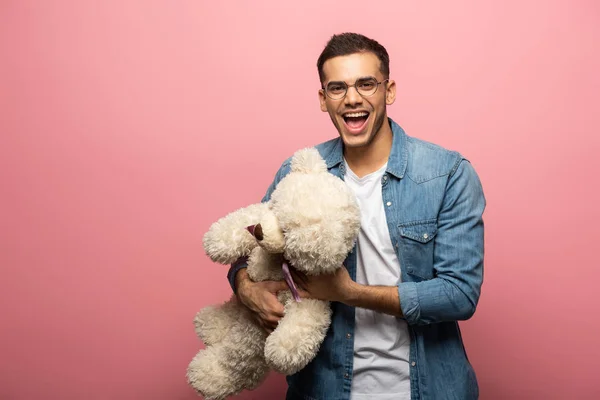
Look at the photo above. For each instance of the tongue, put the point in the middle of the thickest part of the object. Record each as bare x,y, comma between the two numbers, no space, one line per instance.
355,122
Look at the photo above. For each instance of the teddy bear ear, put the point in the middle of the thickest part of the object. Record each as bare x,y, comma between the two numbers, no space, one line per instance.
308,161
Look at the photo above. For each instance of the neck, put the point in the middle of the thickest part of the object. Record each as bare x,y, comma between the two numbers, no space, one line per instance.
367,159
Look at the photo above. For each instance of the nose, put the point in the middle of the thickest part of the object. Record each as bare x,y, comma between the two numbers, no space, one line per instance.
352,96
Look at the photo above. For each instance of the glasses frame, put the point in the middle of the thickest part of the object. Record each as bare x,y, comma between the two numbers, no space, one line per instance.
324,88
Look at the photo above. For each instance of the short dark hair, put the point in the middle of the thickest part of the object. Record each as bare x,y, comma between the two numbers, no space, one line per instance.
348,43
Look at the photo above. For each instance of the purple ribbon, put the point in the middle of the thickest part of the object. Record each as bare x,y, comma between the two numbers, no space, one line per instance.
290,282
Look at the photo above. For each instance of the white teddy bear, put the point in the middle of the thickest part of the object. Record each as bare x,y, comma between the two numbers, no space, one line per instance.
311,222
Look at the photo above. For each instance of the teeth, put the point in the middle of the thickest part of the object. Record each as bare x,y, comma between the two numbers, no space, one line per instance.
356,114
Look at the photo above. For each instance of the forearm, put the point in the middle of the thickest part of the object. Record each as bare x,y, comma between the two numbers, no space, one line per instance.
232,275
383,299
240,278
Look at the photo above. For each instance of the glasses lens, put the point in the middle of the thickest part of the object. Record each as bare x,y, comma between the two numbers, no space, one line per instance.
336,90
366,87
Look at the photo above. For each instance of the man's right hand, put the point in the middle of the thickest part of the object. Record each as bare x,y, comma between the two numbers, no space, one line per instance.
261,299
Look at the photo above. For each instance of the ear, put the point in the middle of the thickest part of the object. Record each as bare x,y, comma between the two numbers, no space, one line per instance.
228,239
323,100
390,93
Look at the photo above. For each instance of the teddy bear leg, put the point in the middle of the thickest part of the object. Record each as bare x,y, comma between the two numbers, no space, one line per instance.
299,334
213,375
212,323
235,363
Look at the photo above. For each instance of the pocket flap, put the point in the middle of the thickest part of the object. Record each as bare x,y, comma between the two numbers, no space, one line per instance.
420,231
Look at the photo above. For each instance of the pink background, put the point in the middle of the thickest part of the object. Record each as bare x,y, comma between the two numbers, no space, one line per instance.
127,128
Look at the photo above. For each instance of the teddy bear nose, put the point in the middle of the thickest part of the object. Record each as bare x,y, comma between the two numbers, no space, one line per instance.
256,231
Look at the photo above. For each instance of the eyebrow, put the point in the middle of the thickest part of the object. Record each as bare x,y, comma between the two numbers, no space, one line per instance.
358,79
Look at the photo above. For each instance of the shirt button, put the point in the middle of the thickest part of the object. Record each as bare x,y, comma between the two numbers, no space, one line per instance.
413,363
348,335
425,236
346,375
385,178
389,203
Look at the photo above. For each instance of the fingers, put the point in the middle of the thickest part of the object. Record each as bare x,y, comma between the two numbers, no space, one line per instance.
276,286
304,294
268,323
267,327
278,310
272,312
271,309
271,305
271,322
261,299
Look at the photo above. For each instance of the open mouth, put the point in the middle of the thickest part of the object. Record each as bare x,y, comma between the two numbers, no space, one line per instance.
356,121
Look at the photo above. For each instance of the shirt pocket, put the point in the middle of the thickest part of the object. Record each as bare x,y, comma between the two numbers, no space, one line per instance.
416,247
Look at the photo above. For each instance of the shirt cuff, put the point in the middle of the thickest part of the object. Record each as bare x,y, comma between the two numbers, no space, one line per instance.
409,302
240,263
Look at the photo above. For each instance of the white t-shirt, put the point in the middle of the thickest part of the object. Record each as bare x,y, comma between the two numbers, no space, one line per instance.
381,341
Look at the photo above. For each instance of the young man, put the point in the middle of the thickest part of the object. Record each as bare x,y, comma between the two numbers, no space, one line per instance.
417,267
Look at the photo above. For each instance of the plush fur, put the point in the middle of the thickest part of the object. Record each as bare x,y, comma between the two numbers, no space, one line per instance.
312,222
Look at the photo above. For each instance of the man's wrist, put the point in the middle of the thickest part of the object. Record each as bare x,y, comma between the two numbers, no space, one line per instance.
382,299
241,277
351,293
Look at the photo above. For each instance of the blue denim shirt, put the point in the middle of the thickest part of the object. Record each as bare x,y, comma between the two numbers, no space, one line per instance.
434,203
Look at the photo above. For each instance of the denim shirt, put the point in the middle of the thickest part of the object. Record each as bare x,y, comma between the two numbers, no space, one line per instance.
433,203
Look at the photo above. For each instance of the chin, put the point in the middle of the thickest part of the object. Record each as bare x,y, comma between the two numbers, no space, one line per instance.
356,141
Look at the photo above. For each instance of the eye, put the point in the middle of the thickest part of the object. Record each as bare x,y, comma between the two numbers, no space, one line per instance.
367,85
336,88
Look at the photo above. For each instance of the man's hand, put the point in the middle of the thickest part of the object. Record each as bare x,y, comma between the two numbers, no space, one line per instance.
261,299
340,287
329,287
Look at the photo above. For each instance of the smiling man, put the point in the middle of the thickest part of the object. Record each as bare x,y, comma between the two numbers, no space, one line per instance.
417,267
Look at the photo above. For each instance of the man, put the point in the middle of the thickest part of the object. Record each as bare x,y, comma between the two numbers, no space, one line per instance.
417,267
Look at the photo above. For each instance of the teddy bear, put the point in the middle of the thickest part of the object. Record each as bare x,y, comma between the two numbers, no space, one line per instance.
310,223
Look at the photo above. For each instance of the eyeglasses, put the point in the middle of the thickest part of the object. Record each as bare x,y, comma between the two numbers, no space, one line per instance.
364,86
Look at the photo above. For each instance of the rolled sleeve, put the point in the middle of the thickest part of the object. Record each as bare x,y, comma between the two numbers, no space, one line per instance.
409,302
454,292
240,263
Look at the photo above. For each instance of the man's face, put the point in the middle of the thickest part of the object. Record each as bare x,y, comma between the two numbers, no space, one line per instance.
357,118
